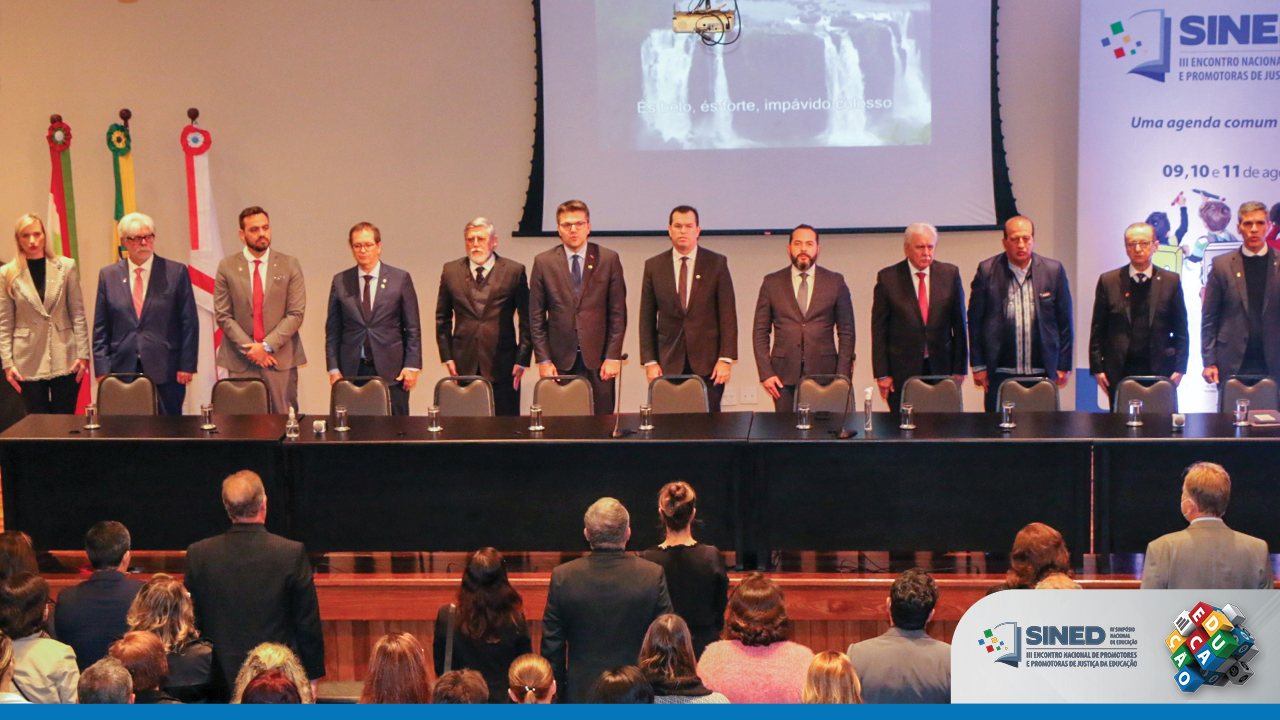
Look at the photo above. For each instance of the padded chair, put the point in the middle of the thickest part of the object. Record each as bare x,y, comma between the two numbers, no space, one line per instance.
1260,390
932,393
362,396
678,394
127,394
1158,394
824,393
241,396
464,396
1030,394
564,395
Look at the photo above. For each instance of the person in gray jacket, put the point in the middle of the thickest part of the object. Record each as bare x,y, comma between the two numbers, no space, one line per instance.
905,665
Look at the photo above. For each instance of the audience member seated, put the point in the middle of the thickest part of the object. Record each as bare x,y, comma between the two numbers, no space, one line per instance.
1057,581
755,662
44,670
397,672
163,607
621,686
487,625
905,665
530,681
273,656
7,694
16,555
1207,554
272,687
668,663
461,687
91,615
599,607
106,682
697,579
1038,552
143,655
831,681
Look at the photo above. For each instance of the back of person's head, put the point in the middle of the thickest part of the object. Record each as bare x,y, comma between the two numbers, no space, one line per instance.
530,680
622,686
1209,486
23,605
1215,214
757,612
461,687
272,687
143,655
676,504
243,495
272,656
607,523
666,656
1057,581
1038,551
1159,221
163,607
106,682
831,681
397,672
487,604
911,599
16,555
106,544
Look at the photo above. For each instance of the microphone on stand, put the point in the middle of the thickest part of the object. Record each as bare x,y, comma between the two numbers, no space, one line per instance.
617,404
841,433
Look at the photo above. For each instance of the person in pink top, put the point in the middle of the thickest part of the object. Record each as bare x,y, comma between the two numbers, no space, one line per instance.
755,662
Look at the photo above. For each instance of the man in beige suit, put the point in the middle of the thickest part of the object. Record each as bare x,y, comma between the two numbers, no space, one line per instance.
1208,554
259,299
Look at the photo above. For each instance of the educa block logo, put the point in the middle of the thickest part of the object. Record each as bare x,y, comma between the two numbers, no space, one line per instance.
993,642
1210,646
1141,43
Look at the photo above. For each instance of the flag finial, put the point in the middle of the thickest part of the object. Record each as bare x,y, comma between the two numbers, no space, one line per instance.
193,113
125,114
55,119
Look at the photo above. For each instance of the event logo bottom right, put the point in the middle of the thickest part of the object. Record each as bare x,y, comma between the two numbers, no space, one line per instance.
1210,646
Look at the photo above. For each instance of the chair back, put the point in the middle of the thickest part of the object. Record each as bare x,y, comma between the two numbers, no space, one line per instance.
361,396
932,393
1260,390
1158,394
1030,394
824,393
464,396
126,394
241,396
564,395
678,394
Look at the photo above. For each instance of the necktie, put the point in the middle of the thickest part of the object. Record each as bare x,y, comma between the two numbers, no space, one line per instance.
802,296
480,275
683,289
576,272
137,293
367,302
923,297
1140,279
259,329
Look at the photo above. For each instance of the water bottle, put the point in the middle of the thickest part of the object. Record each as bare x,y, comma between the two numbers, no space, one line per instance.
291,428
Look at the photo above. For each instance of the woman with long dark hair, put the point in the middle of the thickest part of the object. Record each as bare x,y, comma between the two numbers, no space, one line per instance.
667,662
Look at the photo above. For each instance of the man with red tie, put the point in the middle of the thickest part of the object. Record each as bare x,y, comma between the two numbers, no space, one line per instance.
259,299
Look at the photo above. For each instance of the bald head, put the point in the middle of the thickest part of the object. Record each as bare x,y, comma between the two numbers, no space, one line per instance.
244,497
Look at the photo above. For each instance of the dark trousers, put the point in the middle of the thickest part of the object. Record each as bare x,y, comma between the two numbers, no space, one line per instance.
714,392
399,396
169,396
991,400
506,399
55,396
895,395
601,390
787,400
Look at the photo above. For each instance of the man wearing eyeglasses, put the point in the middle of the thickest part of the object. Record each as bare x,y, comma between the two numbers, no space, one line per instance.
1139,318
145,317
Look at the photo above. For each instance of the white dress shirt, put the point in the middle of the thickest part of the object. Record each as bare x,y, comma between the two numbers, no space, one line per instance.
1135,272
915,279
795,280
488,265
1247,253
146,275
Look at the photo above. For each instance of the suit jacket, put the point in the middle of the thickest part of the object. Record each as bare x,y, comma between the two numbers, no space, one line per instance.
1224,318
898,332
44,670
1207,554
167,335
601,605
988,297
249,586
1112,327
561,322
42,339
283,304
392,327
705,331
481,339
903,666
809,339
92,615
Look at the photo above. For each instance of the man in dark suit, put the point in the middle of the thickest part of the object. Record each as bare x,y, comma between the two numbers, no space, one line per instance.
1139,318
810,315
688,318
917,318
93,614
1240,320
249,586
480,296
373,327
578,307
600,605
1019,315
1207,554
145,317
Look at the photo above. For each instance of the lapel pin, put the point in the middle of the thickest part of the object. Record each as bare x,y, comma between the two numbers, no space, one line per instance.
1237,274
697,277
591,267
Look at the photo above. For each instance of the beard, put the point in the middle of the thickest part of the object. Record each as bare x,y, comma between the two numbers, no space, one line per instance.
802,262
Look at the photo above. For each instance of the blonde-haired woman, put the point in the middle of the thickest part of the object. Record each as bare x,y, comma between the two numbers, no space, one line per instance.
831,681
273,656
44,338
531,681
163,607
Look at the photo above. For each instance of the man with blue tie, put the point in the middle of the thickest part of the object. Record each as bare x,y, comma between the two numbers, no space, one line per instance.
145,317
373,326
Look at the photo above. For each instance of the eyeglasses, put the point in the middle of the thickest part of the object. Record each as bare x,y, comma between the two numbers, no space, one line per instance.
139,238
364,247
1139,245
573,225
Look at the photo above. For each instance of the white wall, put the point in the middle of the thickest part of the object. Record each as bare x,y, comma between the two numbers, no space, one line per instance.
411,116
